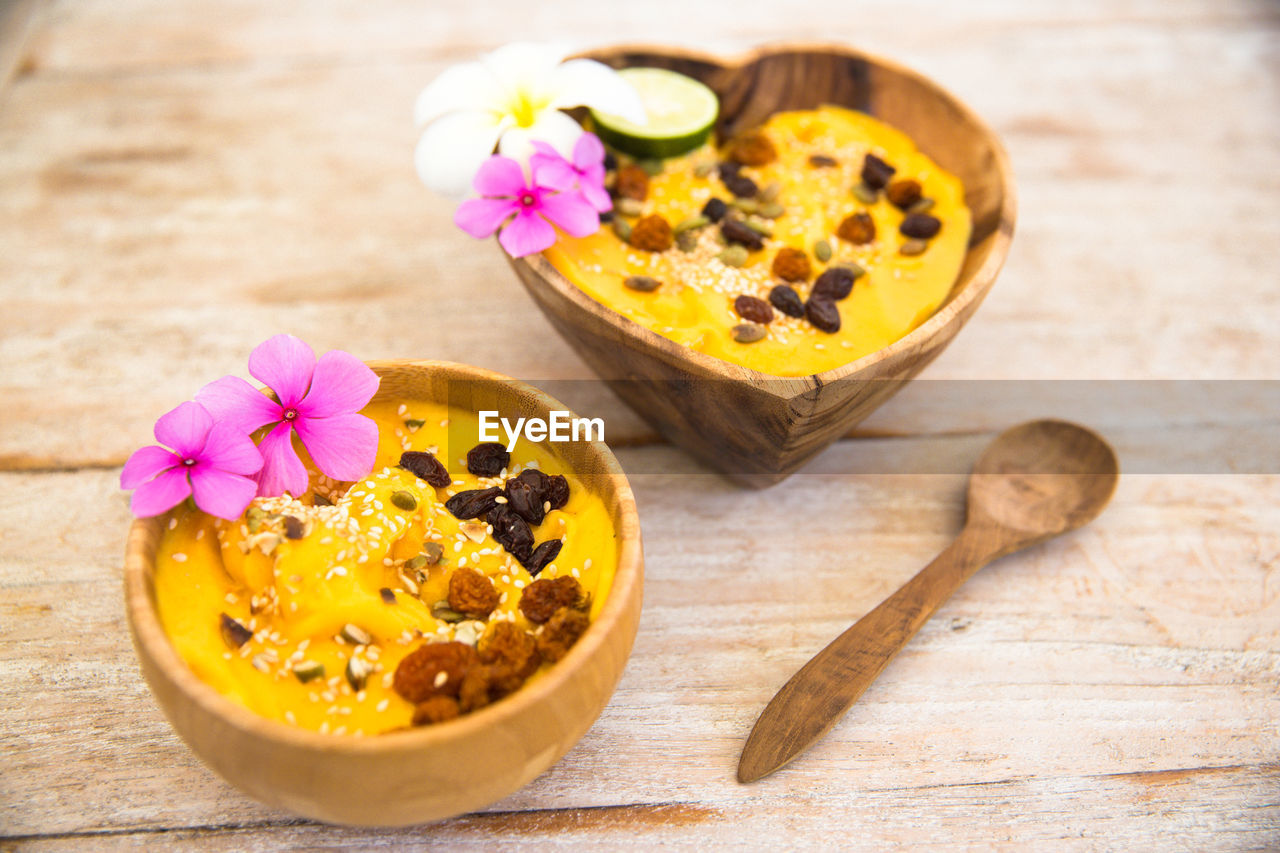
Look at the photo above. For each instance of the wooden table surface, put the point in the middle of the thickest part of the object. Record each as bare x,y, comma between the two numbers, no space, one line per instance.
180,180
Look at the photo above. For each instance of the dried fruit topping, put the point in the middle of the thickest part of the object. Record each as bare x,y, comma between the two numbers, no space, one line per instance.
785,299
524,495
234,634
715,209
834,283
876,172
514,649
753,309
735,232
425,467
542,555
562,630
487,459
822,161
791,264
823,314
294,527
556,490
727,169
642,283
473,503
632,182
545,596
433,669
920,225
511,532
437,709
652,233
749,333
740,185
904,193
472,594
858,228
752,148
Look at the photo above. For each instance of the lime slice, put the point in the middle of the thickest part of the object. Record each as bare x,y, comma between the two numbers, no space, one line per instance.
681,113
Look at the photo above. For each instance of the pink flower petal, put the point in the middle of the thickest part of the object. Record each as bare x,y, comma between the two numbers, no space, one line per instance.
341,384
161,494
343,447
231,450
499,176
551,171
221,493
284,364
282,470
588,151
145,464
480,217
596,195
528,234
232,400
184,429
571,212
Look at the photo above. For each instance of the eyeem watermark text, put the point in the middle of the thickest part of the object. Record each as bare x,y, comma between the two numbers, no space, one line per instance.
561,426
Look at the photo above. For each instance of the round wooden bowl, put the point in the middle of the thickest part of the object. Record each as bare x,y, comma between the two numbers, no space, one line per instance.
428,773
753,427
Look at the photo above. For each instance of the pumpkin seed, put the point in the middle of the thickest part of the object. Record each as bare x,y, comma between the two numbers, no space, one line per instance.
474,530
355,634
414,424
772,210
913,247
433,551
691,223
320,500
761,226
642,283
409,584
308,670
770,191
442,611
748,333
865,194
622,228
746,205
924,205
416,563
404,500
234,634
358,672
704,169
687,241
822,251
629,207
652,167
254,517
852,267
734,256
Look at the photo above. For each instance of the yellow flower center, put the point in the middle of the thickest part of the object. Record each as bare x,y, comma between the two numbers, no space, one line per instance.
525,108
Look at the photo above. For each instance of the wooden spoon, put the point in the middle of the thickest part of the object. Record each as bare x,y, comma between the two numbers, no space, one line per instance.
1034,482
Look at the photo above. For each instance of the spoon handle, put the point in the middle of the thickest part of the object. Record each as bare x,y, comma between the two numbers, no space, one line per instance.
819,694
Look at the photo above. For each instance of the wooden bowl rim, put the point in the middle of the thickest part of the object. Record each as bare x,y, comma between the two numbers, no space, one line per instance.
149,634
965,292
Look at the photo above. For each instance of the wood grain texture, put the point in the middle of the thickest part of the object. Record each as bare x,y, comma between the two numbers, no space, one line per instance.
755,428
180,180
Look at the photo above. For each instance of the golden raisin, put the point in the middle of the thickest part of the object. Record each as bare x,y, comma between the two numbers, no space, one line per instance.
633,182
752,149
471,593
506,645
560,633
545,596
473,693
903,193
791,264
857,229
418,677
437,709
652,233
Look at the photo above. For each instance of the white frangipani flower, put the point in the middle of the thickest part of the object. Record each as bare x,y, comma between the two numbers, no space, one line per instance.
509,98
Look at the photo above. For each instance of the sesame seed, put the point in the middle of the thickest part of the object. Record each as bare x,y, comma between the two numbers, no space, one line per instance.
179,557
383,705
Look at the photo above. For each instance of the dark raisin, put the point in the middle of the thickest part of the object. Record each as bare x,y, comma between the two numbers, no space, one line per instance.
525,496
753,309
294,528
487,459
715,209
728,169
610,161
785,299
904,193
920,225
876,172
823,314
388,597
473,503
556,491
740,185
606,217
735,232
542,555
425,467
511,531
834,283
822,161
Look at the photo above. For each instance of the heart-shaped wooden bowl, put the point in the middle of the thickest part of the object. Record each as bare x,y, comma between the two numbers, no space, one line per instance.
427,773
755,428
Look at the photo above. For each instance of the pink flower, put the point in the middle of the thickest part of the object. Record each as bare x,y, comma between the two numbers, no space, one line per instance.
586,168
209,460
318,400
531,206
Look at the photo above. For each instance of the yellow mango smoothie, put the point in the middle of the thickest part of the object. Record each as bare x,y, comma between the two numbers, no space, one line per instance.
818,238
428,589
